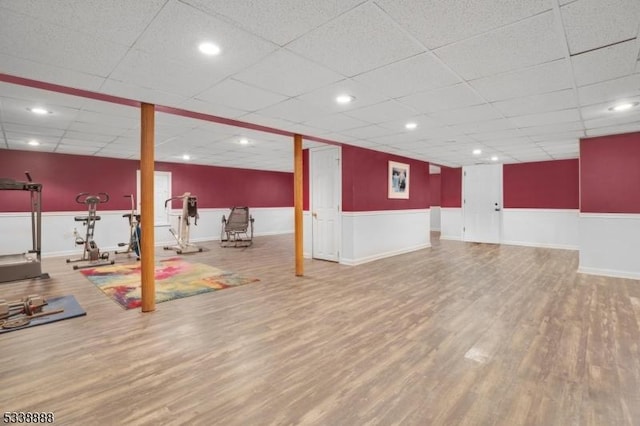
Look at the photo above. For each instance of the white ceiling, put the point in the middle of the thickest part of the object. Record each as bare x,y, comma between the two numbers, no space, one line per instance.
523,80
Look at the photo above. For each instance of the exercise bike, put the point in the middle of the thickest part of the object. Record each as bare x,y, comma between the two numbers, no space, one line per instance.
91,252
189,210
134,231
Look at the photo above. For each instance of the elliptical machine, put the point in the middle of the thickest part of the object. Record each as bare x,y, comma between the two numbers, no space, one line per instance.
91,252
134,230
189,209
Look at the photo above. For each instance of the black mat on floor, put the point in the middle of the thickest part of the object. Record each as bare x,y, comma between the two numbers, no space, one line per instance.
71,310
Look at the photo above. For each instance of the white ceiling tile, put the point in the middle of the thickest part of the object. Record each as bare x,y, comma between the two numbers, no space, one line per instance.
467,114
415,74
217,110
368,132
32,131
614,130
155,72
93,17
606,63
437,23
613,120
261,120
335,123
22,138
549,77
35,40
553,101
83,143
591,112
545,118
619,89
575,134
240,96
591,24
294,110
325,96
31,96
499,135
521,141
75,149
552,128
16,111
178,30
526,43
569,156
89,137
41,148
363,143
430,101
142,94
26,68
279,21
384,111
483,126
288,74
353,43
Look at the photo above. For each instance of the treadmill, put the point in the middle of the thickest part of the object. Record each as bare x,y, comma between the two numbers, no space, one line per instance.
21,266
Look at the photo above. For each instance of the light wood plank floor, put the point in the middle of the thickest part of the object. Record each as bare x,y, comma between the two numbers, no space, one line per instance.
456,334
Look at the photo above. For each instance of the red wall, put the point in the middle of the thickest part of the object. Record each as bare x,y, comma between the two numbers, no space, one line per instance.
64,176
364,181
542,185
610,174
450,187
434,185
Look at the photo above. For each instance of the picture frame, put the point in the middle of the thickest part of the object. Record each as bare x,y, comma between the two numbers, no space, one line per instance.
398,180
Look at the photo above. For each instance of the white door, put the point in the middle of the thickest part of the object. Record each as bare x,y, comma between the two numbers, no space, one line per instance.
326,194
162,192
482,203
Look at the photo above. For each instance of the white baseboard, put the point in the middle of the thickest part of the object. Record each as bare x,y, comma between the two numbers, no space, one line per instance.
360,261
610,273
450,237
541,245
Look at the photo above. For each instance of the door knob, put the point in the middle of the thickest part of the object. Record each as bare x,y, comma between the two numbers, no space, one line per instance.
314,214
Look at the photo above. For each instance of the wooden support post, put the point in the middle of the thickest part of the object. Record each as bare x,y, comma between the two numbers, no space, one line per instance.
297,202
147,243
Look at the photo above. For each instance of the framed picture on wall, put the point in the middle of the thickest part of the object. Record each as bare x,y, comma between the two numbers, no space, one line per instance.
398,180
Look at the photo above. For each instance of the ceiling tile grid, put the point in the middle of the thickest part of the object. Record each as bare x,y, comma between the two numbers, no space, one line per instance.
487,74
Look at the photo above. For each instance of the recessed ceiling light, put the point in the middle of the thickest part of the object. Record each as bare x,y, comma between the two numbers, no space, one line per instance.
244,141
33,142
186,157
411,126
624,107
477,151
494,158
345,99
39,110
209,48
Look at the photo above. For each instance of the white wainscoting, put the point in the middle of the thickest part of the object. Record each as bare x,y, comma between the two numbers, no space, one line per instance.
551,228
610,244
368,236
58,240
435,218
451,223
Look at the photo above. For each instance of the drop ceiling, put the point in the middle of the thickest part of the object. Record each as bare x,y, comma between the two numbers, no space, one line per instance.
522,80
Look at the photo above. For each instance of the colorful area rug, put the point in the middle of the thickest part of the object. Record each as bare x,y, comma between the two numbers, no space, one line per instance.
175,279
70,305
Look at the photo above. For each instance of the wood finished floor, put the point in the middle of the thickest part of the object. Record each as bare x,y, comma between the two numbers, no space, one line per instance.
459,333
